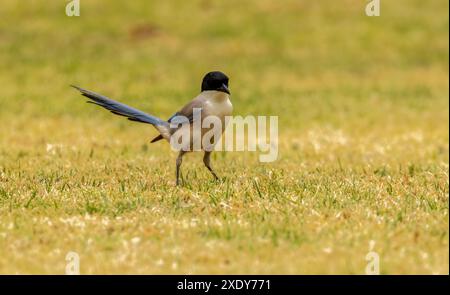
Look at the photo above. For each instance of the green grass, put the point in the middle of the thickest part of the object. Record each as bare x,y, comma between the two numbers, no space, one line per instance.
363,144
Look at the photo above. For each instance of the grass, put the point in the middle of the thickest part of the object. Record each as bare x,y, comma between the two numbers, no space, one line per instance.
363,144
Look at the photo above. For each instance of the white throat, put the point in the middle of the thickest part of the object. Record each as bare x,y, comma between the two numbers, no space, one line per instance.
217,103
216,96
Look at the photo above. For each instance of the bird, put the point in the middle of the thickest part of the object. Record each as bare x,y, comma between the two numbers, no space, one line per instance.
213,101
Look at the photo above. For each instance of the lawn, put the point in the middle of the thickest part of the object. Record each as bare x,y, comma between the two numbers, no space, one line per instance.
363,107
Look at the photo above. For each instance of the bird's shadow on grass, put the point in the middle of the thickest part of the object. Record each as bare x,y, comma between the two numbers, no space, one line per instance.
201,183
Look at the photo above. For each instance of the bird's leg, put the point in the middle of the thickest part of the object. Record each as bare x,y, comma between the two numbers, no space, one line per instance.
179,161
206,161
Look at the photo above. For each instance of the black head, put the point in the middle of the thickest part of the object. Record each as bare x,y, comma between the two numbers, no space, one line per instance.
215,81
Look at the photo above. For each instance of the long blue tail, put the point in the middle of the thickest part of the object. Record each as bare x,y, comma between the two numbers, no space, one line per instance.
120,109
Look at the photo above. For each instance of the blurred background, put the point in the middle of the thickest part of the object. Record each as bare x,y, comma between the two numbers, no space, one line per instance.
308,62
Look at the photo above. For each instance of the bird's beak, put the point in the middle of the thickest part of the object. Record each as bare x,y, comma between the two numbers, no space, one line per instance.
224,88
